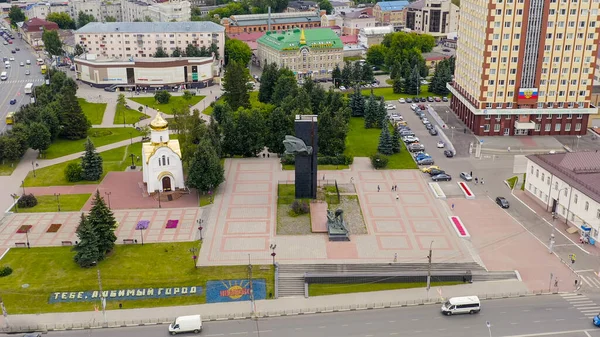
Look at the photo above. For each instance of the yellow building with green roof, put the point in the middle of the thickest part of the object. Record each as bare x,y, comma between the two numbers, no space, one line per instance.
312,52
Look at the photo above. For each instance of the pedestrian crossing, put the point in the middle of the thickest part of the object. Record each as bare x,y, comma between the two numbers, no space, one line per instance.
589,279
26,80
583,304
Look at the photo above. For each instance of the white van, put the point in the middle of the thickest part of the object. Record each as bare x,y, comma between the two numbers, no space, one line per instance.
461,305
6,64
3,76
183,324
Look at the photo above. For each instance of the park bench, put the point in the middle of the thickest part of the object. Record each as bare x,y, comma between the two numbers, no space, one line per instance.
20,244
128,241
66,243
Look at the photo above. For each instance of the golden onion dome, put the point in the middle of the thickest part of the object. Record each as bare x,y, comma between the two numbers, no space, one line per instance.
159,123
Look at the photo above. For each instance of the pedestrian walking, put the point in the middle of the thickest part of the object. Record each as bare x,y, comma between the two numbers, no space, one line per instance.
264,155
471,174
573,257
452,206
351,180
395,187
508,149
397,197
392,188
476,180
395,257
378,189
482,182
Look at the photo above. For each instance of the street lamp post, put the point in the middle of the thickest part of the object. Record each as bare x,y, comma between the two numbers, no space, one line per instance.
193,250
273,246
27,237
132,162
15,198
108,198
23,185
33,167
489,326
159,205
57,195
200,221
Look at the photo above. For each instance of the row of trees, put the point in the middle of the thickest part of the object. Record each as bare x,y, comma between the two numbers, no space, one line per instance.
89,169
96,233
373,109
55,114
189,51
442,75
352,74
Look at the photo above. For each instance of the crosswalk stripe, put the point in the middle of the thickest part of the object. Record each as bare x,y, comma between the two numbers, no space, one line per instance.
590,311
583,305
567,296
591,315
585,280
583,309
594,280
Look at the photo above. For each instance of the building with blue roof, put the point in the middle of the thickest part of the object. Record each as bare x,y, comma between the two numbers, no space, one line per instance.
390,13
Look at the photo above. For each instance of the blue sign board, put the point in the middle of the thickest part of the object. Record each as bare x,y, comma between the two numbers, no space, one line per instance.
235,290
124,294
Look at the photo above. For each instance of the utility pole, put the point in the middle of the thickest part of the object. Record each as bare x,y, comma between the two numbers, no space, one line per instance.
102,299
429,270
253,307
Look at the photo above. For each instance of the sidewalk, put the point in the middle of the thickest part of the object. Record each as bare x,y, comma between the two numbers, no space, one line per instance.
264,308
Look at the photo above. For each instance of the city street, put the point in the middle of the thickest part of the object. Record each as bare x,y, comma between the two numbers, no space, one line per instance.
508,317
14,86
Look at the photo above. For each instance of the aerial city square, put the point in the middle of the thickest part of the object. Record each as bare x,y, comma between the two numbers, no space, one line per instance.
292,168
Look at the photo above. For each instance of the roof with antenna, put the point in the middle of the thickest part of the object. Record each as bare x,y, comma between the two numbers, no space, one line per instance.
276,18
293,39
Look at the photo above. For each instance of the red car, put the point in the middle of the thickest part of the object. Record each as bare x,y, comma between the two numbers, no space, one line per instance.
9,41
437,99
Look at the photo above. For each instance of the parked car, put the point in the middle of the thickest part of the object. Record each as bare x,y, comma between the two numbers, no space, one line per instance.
446,50
423,99
421,156
427,169
437,99
5,43
390,107
435,172
448,154
424,120
401,100
410,139
406,133
444,99
409,100
440,144
422,106
17,49
110,89
428,126
421,115
415,147
442,177
466,176
414,106
11,58
13,51
433,132
426,161
430,99
13,101
342,88
502,202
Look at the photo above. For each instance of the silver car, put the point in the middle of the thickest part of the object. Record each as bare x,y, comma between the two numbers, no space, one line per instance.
466,176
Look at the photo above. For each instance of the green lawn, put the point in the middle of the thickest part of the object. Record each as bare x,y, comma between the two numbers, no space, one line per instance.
389,95
334,289
7,168
362,142
512,181
174,102
99,136
286,194
206,199
131,116
253,101
319,167
51,269
48,203
523,182
93,111
112,160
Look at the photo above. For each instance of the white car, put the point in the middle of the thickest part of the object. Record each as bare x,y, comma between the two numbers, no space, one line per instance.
390,107
425,120
440,144
413,106
27,72
342,88
401,100
12,58
375,85
22,64
410,139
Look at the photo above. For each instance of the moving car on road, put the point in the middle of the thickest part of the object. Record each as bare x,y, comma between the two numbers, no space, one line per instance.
466,176
448,154
596,320
13,101
461,305
502,202
183,324
442,177
440,144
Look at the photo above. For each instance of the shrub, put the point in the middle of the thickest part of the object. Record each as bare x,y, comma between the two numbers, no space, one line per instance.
162,97
339,160
73,172
300,207
5,271
379,161
27,201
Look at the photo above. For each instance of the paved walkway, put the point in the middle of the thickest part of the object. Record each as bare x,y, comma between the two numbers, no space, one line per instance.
264,307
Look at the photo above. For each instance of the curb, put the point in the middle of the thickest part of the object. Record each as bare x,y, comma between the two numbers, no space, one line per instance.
248,316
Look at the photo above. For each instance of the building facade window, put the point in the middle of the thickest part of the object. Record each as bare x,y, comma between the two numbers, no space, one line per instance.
575,198
587,206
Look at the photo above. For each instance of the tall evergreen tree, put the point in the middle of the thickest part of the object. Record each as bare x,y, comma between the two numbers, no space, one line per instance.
75,124
332,132
367,73
279,124
214,135
347,74
381,116
205,171
86,249
236,90
267,82
398,85
357,73
357,103
413,82
103,223
371,112
396,141
250,128
385,142
91,163
286,85
336,76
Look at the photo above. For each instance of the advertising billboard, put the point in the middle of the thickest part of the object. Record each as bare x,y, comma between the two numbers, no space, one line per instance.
157,76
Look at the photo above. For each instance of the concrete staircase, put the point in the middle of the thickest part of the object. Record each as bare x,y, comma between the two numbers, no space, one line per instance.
291,276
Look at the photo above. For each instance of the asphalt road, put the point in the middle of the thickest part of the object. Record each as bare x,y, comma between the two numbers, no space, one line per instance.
508,317
14,86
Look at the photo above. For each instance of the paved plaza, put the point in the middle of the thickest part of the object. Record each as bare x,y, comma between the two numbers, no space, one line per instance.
243,219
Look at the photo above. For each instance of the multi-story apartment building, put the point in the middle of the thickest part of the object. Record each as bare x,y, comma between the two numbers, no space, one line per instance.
567,185
119,40
434,17
371,36
168,11
390,13
42,9
249,23
530,70
100,9
350,22
312,52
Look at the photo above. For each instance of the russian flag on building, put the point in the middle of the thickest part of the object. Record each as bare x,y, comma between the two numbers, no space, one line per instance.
528,93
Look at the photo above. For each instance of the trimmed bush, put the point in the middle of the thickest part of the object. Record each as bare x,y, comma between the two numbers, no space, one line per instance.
5,271
27,201
379,161
73,172
300,207
339,160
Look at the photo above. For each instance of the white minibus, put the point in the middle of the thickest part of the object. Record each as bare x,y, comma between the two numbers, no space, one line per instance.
461,305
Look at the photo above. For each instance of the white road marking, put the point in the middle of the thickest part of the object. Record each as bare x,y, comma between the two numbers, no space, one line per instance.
550,333
586,281
393,333
560,319
587,334
391,321
239,333
513,323
323,327
368,323
526,310
536,321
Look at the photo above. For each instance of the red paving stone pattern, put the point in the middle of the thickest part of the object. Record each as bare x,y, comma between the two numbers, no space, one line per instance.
318,217
504,245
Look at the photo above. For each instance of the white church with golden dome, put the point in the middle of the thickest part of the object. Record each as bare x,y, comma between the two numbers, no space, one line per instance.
162,166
